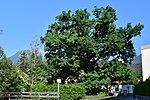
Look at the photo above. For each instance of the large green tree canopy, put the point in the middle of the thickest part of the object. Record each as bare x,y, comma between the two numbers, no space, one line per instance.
78,41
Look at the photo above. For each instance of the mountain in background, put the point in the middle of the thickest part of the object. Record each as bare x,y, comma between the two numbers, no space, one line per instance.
15,58
137,60
136,64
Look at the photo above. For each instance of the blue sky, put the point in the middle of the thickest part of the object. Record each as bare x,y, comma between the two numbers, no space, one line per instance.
21,20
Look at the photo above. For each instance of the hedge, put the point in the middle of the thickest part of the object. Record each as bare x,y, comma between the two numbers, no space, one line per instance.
142,88
67,91
40,87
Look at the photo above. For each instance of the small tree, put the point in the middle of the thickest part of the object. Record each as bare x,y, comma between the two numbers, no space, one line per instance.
24,62
38,67
12,79
39,72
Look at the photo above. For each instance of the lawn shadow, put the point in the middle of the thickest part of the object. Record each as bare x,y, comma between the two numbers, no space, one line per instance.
118,98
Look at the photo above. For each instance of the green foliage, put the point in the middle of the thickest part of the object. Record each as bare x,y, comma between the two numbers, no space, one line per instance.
24,62
67,69
34,66
142,88
116,71
12,79
40,87
108,72
134,77
38,72
76,43
38,67
68,91
72,92
93,82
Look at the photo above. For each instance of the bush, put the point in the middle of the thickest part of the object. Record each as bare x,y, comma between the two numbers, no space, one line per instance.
40,87
72,91
142,88
67,91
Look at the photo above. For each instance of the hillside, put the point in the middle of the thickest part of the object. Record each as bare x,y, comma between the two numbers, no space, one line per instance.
15,58
137,64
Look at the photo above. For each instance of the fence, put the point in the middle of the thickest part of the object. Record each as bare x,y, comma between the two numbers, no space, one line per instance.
28,95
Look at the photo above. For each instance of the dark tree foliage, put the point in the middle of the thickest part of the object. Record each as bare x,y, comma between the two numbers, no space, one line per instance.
77,42
38,71
34,66
11,78
24,62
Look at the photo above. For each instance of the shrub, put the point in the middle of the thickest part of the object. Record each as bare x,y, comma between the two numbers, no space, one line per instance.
40,87
72,91
67,91
142,88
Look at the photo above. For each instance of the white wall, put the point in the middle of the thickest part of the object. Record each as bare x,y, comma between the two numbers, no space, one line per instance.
145,50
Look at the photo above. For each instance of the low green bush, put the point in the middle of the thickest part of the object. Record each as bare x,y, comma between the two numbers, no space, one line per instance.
142,88
40,87
72,92
67,91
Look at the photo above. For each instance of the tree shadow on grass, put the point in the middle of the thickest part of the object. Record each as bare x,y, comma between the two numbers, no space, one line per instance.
119,98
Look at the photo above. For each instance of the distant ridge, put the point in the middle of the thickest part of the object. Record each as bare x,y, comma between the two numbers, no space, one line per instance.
15,58
137,64
137,60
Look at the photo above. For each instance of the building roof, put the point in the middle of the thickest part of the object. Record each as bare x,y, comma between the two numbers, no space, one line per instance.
145,47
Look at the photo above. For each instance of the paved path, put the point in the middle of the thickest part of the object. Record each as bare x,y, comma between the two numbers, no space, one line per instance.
114,98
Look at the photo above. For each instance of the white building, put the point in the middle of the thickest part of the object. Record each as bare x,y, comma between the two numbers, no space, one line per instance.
145,50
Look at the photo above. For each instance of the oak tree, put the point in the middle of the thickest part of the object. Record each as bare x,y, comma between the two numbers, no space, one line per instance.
78,41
